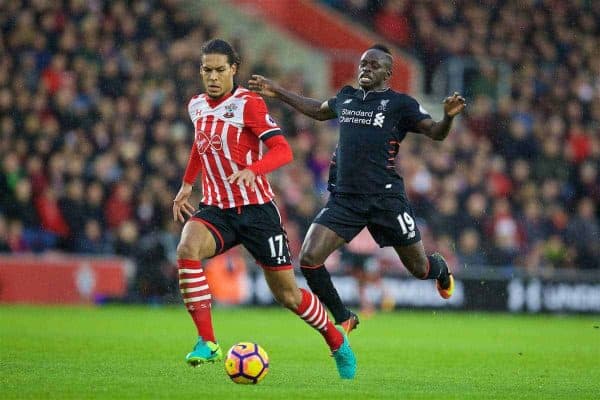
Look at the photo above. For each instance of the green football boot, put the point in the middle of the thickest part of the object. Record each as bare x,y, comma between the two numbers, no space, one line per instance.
204,352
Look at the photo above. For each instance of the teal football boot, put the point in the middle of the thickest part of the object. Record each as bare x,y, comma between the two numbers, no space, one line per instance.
204,352
345,361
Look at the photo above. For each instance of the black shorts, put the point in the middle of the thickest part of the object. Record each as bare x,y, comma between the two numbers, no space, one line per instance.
389,218
257,227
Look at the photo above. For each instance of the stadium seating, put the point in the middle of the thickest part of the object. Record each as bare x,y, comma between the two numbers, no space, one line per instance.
94,133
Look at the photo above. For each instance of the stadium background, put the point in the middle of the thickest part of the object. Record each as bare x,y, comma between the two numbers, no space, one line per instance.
94,138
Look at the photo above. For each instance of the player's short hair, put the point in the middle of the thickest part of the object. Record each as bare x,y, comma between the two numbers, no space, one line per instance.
220,46
381,47
386,50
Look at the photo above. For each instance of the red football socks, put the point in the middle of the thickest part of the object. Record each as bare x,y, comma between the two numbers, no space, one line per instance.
313,313
196,296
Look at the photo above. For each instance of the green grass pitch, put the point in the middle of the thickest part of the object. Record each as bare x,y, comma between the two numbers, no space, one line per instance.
119,352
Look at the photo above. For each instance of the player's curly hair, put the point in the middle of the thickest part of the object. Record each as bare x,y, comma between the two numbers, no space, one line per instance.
220,46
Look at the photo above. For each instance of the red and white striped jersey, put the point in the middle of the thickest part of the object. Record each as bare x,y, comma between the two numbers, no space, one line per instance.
228,135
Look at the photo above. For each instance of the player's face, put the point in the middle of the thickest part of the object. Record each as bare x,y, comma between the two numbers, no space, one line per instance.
217,74
373,70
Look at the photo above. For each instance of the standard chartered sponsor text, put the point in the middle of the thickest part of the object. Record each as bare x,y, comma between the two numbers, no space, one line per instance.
356,116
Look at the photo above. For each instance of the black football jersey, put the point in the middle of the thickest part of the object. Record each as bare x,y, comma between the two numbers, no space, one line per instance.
372,125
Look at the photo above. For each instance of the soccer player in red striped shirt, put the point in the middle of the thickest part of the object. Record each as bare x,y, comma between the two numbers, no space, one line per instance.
232,127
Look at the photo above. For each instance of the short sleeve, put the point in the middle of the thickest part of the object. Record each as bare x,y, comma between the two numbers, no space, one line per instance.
332,103
412,114
258,120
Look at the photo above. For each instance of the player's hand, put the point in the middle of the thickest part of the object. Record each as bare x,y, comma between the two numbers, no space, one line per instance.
181,204
262,85
245,177
454,105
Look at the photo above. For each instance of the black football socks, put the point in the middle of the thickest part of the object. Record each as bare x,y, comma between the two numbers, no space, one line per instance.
319,281
438,269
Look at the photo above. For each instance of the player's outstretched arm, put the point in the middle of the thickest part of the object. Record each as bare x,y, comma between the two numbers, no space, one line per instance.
313,108
453,106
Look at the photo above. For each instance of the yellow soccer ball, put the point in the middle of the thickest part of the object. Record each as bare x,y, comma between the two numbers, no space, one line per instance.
247,363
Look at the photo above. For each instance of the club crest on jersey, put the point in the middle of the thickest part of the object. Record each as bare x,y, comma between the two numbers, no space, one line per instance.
383,105
204,142
229,109
378,120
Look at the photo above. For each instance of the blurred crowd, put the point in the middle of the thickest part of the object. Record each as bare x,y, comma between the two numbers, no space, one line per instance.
95,136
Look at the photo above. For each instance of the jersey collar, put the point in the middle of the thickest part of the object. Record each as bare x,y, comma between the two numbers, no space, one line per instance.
215,102
365,94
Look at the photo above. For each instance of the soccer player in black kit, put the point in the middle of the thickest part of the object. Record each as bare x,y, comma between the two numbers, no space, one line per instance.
366,189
